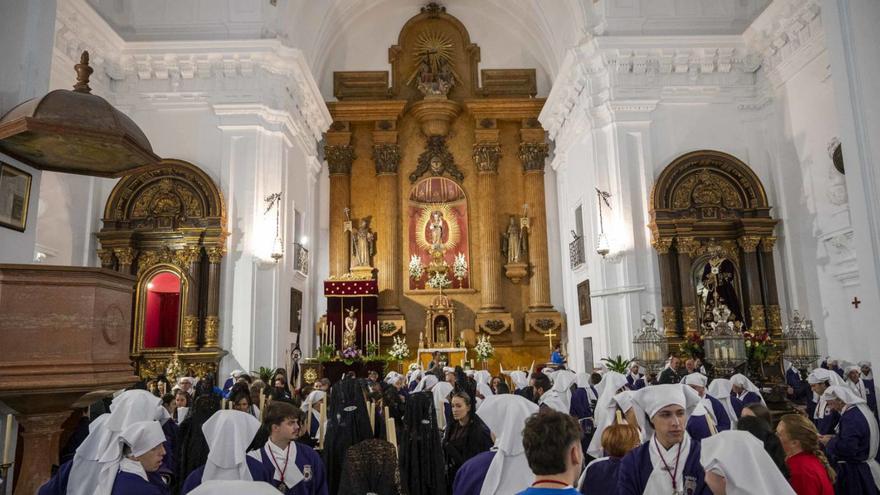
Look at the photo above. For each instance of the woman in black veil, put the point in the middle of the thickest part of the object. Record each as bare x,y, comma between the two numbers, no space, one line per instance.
421,453
348,423
192,448
371,467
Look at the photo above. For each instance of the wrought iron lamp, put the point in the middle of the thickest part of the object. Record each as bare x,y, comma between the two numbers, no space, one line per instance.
650,346
274,200
724,345
602,246
800,342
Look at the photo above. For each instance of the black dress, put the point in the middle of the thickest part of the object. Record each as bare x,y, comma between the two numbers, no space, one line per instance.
371,467
462,443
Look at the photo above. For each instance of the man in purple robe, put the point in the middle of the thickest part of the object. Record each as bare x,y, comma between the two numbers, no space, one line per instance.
853,450
142,457
824,417
295,467
669,462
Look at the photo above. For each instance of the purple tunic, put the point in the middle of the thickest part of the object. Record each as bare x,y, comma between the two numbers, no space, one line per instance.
601,477
258,473
470,476
309,463
636,467
847,452
132,484
698,428
635,384
827,424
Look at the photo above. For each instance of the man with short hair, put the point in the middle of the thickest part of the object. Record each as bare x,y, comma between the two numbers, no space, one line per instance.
690,366
634,379
669,462
669,375
294,467
540,385
552,443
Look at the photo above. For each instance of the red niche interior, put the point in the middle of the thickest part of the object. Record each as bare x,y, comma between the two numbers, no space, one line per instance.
162,311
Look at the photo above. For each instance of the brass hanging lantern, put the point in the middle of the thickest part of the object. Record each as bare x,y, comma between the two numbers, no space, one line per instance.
650,347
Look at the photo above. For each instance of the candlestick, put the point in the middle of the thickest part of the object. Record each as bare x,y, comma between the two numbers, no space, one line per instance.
8,439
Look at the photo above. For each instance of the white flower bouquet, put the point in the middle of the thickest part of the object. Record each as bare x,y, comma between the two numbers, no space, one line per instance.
484,348
399,350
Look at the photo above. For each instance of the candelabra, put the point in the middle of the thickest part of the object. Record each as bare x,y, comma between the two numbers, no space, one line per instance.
724,346
800,342
650,346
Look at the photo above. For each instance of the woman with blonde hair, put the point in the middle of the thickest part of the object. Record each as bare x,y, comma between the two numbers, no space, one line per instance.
601,474
810,472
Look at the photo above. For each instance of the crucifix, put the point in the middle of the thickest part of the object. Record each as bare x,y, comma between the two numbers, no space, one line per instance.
550,336
855,302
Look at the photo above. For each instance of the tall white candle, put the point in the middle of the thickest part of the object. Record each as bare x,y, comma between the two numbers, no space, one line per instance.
7,444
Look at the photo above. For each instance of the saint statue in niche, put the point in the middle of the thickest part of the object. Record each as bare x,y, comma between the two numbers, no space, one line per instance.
513,242
716,290
441,330
362,245
436,230
348,334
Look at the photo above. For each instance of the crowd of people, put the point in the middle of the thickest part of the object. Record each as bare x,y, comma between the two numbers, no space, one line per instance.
445,431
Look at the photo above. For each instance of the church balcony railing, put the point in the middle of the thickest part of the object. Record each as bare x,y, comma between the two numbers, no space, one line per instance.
300,259
576,253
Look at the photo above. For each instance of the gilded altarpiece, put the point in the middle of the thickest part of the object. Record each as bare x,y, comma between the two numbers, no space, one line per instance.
440,165
713,232
167,226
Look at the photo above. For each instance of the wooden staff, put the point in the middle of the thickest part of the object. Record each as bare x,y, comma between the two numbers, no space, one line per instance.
262,405
390,429
371,410
321,427
309,419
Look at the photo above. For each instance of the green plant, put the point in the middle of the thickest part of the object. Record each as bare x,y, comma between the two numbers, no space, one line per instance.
617,364
264,373
326,352
372,349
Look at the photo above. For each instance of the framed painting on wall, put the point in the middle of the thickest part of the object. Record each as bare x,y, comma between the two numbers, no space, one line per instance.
15,192
585,309
296,304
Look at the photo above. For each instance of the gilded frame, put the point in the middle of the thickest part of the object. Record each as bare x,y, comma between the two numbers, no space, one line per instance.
10,202
137,343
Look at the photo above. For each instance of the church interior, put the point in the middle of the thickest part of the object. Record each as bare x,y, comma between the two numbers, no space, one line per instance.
191,188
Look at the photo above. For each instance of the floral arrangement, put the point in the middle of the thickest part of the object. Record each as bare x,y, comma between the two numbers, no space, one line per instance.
416,270
438,281
399,351
372,349
460,267
758,346
325,352
174,369
692,346
351,354
484,348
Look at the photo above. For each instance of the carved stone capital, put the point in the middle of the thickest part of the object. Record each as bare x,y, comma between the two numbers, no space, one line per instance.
533,155
486,157
662,244
748,243
125,255
687,245
186,256
106,256
339,158
212,331
216,253
767,244
387,158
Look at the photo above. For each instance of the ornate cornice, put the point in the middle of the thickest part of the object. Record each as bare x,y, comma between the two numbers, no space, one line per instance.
387,158
788,34
533,156
339,158
486,157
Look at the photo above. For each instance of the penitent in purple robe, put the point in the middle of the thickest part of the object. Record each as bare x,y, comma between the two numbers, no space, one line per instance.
132,484
314,480
600,477
636,467
258,473
470,476
847,452
826,424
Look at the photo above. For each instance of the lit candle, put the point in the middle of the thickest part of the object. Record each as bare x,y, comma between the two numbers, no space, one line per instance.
7,444
717,354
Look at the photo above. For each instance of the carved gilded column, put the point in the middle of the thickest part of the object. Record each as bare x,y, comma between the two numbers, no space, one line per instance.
687,247
339,155
533,153
212,318
667,285
768,269
125,256
757,319
386,155
486,156
190,258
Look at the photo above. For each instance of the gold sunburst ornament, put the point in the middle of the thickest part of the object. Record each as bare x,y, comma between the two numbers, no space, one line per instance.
434,52
451,223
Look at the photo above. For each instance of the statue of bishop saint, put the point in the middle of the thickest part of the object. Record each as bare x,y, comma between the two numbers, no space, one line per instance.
362,245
